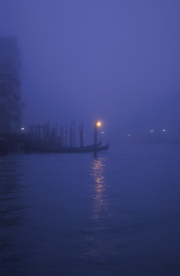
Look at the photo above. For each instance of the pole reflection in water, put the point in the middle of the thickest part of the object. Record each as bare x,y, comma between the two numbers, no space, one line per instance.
99,190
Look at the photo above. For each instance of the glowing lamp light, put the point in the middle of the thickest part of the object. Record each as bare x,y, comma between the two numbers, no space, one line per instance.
152,130
98,124
163,130
22,128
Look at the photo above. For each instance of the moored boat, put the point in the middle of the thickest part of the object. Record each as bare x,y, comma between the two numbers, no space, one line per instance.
32,147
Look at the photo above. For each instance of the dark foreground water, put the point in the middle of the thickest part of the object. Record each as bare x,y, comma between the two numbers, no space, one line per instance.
74,215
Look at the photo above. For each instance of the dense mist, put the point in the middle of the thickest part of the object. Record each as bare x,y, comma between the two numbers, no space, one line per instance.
118,61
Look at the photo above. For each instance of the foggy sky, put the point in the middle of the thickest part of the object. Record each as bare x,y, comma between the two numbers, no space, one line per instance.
88,59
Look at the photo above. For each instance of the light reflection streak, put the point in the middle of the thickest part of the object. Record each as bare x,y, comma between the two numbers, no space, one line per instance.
99,190
100,246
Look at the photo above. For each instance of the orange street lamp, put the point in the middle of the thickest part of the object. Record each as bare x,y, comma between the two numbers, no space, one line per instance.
98,124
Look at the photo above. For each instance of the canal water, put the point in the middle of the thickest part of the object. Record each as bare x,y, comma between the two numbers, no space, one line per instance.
71,214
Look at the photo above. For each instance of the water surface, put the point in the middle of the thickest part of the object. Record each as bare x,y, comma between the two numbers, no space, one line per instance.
71,214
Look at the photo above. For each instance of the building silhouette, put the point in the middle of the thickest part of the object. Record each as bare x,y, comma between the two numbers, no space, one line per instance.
10,86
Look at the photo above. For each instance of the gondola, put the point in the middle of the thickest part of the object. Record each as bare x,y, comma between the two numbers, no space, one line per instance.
30,147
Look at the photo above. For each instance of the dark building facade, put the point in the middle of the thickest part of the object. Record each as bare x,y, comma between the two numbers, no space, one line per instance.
10,86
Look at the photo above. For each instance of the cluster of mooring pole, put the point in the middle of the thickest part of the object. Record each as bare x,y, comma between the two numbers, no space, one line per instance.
96,125
56,135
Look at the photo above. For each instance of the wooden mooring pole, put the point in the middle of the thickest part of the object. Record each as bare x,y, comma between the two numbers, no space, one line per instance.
95,139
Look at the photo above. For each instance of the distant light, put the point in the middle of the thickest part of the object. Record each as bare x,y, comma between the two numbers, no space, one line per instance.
22,128
152,130
98,124
84,135
164,130
102,132
129,135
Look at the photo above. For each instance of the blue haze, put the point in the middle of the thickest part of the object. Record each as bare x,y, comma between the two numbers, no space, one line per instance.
83,60
118,61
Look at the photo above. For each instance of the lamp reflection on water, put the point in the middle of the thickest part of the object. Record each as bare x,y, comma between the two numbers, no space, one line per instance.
100,246
99,189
